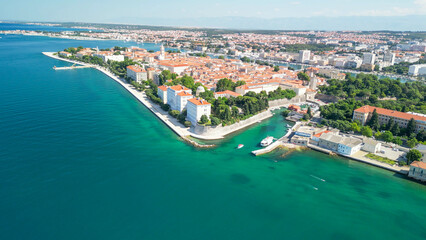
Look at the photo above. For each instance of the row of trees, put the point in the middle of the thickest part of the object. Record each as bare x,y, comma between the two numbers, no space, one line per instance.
410,96
402,67
227,84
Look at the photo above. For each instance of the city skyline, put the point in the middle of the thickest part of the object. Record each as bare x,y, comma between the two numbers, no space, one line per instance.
272,14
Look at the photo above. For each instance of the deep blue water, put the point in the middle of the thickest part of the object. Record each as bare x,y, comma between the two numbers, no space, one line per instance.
81,159
18,26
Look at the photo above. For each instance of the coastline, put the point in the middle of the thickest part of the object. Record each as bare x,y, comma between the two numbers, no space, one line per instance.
171,122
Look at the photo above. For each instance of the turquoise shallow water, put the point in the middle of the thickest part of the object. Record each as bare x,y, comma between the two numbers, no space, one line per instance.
81,159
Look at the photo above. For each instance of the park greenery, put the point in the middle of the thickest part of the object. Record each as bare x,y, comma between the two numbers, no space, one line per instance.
228,111
303,76
402,67
381,159
414,155
224,111
227,84
364,89
313,47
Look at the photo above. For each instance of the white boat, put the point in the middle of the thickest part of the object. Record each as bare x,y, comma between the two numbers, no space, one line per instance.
240,146
267,141
288,126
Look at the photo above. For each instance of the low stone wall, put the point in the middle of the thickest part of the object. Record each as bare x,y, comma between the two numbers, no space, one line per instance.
285,101
206,132
327,98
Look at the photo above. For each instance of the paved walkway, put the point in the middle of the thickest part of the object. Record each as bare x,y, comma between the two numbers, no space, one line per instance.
170,121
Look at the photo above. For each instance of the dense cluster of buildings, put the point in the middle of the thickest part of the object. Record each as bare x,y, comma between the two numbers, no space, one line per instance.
333,141
349,50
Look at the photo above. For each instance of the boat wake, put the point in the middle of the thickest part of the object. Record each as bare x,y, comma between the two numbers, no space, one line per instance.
317,178
315,188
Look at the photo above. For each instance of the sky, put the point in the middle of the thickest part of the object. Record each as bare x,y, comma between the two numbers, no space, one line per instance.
113,10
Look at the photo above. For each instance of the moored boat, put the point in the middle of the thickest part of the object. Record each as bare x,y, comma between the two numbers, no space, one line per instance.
240,146
267,141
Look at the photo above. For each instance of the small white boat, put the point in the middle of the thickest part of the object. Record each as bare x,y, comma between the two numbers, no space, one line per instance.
240,146
267,141
288,126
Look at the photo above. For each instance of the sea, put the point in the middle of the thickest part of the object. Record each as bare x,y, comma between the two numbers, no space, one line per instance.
80,158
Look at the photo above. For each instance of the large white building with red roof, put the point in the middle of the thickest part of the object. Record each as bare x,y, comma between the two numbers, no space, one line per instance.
178,102
137,73
196,108
162,93
363,114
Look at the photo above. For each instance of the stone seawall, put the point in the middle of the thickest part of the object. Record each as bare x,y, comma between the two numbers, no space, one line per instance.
285,101
214,132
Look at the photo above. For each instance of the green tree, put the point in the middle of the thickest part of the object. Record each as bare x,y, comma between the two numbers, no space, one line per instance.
221,57
224,84
204,119
377,68
413,155
174,113
411,126
387,136
276,68
215,121
412,143
303,76
285,113
309,112
397,140
355,127
374,121
366,131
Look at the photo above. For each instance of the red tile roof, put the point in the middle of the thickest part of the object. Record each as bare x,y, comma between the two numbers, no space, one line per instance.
135,68
184,94
321,133
198,101
228,92
387,112
163,88
418,164
179,88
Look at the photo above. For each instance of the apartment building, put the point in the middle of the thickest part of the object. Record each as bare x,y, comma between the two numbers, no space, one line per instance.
363,114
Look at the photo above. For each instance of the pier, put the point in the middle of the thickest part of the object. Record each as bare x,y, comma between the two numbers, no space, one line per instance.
72,67
283,141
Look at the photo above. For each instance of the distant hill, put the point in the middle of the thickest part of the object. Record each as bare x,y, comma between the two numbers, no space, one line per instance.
363,23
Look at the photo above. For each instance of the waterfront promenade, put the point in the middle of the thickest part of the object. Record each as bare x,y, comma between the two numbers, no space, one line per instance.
172,123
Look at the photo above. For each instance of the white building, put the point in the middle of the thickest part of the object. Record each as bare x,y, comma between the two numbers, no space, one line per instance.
389,58
371,146
417,70
177,68
65,54
257,87
162,93
418,170
182,99
172,92
349,146
137,73
106,55
369,58
304,56
342,145
196,108
226,94
422,149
